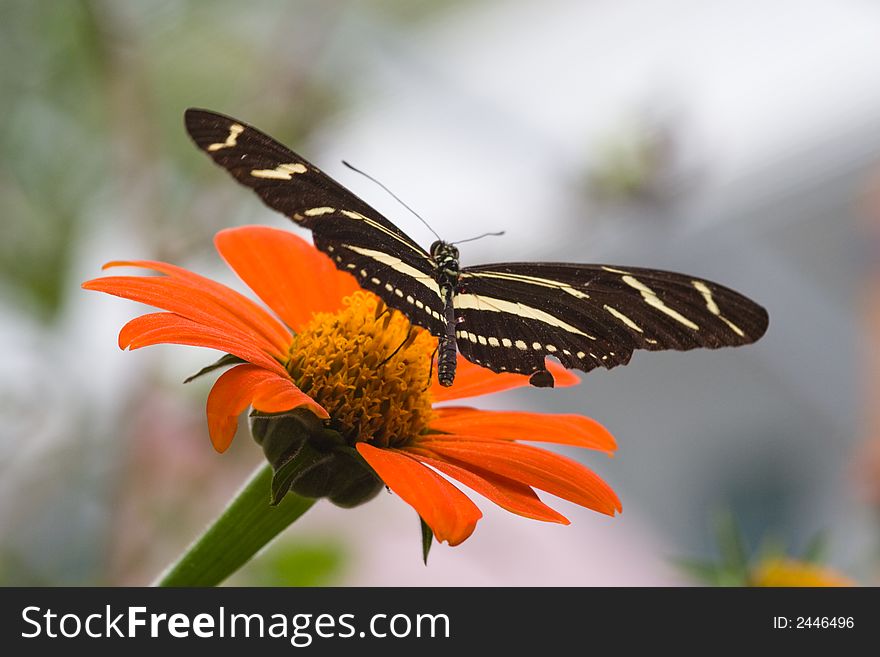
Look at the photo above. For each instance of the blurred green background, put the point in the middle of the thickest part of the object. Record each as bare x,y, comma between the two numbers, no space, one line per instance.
737,141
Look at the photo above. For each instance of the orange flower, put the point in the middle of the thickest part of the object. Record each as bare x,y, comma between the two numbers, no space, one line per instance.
787,572
355,367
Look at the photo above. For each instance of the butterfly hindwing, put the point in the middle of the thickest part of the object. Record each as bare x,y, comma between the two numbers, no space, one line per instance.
511,316
400,285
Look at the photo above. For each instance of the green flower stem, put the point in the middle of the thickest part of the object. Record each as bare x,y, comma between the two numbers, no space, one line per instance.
245,527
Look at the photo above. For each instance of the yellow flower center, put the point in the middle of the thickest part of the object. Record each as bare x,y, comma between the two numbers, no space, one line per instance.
369,367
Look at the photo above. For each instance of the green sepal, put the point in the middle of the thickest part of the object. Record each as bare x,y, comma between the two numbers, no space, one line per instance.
285,476
427,539
312,460
223,361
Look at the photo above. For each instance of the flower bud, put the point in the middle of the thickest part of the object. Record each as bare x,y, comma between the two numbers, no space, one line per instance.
312,460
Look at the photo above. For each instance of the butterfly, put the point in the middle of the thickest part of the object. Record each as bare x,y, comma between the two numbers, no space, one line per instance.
507,317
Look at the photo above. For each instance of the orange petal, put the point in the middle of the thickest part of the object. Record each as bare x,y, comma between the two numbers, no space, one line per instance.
574,430
448,511
249,385
290,275
169,328
472,380
239,304
506,493
199,304
554,473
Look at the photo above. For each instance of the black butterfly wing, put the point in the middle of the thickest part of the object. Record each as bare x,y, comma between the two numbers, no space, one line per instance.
284,181
358,238
513,315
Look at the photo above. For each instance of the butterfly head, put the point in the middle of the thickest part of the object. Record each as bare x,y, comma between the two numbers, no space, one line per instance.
445,256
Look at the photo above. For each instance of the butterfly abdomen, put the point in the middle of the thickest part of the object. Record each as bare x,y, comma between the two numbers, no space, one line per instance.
446,358
447,349
447,271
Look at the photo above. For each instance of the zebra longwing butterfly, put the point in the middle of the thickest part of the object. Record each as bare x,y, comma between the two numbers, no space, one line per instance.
507,317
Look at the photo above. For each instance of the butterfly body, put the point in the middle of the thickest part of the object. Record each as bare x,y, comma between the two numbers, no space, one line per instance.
507,317
448,271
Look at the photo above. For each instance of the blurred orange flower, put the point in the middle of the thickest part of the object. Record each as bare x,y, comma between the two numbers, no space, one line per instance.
783,572
363,370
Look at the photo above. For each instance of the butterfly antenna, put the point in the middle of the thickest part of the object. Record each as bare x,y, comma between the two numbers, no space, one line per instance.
479,237
393,195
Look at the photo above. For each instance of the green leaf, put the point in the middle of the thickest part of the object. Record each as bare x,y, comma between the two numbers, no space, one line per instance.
247,525
223,361
427,539
772,547
734,552
817,549
313,563
705,572
732,578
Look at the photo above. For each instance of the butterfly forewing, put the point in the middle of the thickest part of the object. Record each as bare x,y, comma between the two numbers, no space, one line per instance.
513,315
358,238
284,181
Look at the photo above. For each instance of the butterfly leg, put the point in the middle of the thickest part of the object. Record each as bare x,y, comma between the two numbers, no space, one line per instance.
399,347
431,370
